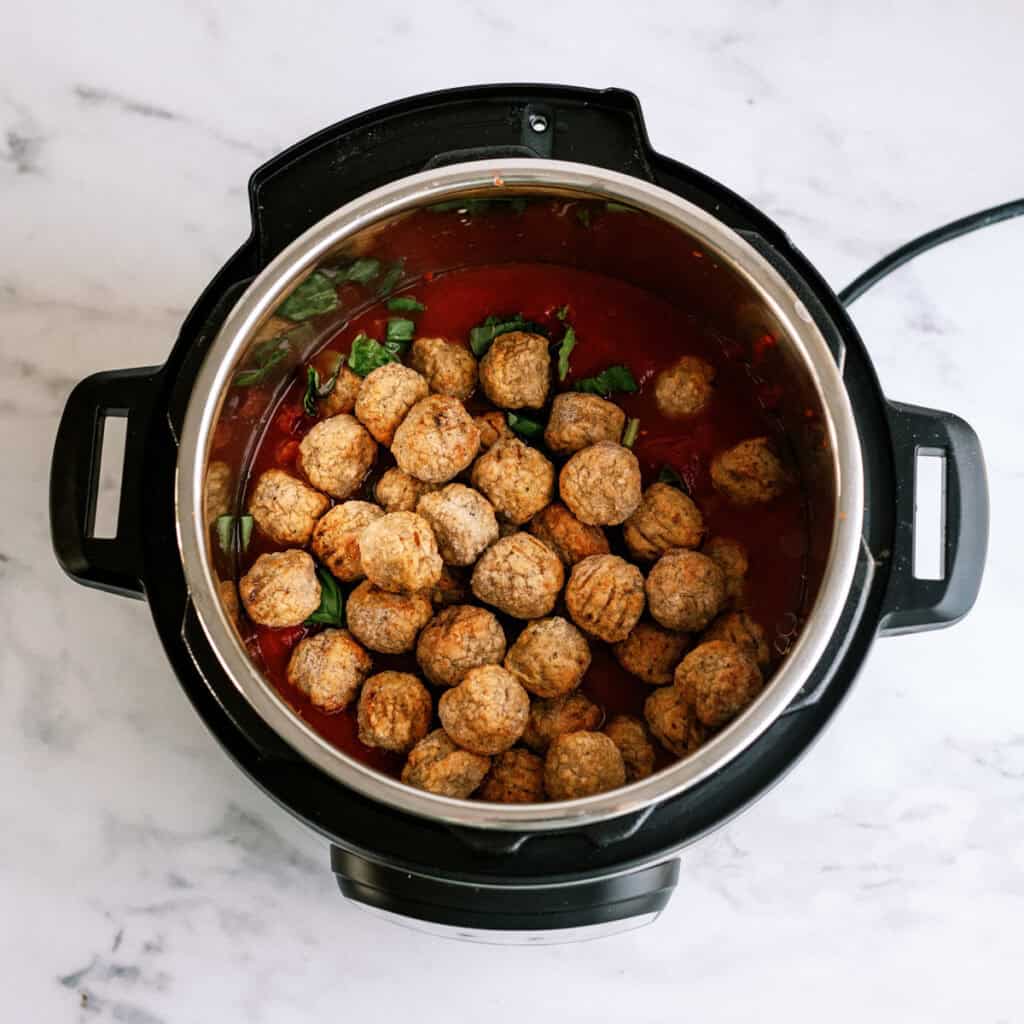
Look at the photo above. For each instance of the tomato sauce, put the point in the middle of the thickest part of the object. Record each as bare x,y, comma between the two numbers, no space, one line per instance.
615,322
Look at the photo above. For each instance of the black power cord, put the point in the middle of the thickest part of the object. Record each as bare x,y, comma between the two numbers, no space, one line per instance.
905,253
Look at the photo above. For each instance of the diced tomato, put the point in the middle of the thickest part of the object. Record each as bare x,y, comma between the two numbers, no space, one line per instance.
287,453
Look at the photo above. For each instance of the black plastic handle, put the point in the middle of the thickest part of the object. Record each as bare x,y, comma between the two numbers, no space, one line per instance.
913,604
115,563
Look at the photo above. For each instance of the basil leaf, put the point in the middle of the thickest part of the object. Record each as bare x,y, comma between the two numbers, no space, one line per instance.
225,533
316,295
399,331
391,278
244,531
267,356
612,207
583,215
630,433
562,312
481,337
405,304
669,476
312,387
564,351
524,426
360,271
327,387
367,354
332,603
615,378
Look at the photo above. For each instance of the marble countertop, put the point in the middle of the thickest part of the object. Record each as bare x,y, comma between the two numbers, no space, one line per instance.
143,879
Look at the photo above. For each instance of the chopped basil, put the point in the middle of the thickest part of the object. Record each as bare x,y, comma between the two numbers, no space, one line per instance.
474,206
630,433
405,304
368,354
481,337
314,296
332,602
612,207
524,426
244,531
226,532
583,215
568,343
361,271
391,278
267,354
400,330
312,387
615,378
669,476
562,312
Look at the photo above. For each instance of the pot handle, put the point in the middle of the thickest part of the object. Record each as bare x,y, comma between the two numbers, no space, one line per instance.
911,604
107,563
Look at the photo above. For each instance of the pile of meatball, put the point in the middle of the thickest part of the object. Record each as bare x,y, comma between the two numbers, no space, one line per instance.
475,539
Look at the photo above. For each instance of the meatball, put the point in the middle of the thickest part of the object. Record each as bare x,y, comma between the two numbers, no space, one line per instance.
395,710
684,389
451,588
570,539
601,484
336,538
516,372
665,518
385,396
740,629
673,722
520,576
384,621
651,653
281,589
229,601
329,668
463,522
579,420
342,397
550,657
437,765
449,369
731,557
217,491
749,472
487,712
399,553
719,679
285,509
517,479
493,427
336,455
458,639
437,440
397,491
685,590
605,596
516,777
630,735
581,764
551,718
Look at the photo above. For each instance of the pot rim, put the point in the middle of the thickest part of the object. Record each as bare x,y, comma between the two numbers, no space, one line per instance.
266,292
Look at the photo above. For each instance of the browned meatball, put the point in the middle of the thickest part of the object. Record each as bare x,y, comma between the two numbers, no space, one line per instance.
449,369
395,710
605,596
579,420
329,668
336,538
397,491
665,518
517,479
516,372
437,440
487,712
651,653
384,621
685,590
281,589
551,718
217,492
719,679
749,472
673,722
516,777
437,765
285,509
463,522
731,557
399,553
685,388
458,639
601,484
520,576
451,588
570,539
386,396
493,427
336,455
630,735
342,397
581,764
550,657
740,629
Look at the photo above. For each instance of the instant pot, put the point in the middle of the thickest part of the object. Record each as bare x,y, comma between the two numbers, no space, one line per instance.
513,872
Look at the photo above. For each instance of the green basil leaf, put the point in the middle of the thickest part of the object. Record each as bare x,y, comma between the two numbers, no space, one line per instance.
612,207
583,215
267,356
562,312
363,271
568,343
405,304
524,426
367,355
244,531
312,387
399,330
225,526
630,433
316,295
481,336
326,387
391,278
615,378
332,603
669,476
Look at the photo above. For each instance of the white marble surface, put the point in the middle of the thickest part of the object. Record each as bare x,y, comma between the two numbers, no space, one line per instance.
142,878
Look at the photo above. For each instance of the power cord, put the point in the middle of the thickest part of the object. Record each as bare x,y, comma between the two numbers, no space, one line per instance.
905,253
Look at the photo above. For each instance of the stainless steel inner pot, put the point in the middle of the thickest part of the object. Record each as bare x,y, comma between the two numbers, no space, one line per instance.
713,271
